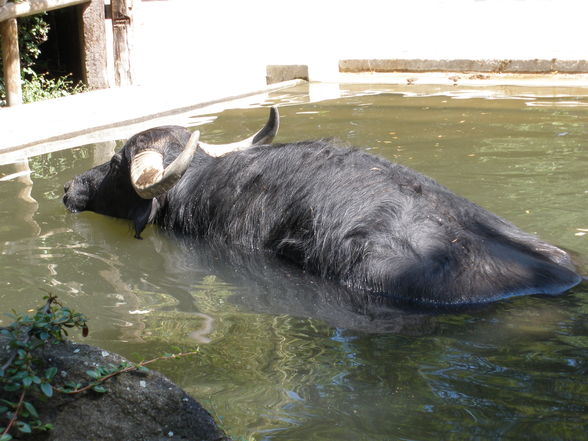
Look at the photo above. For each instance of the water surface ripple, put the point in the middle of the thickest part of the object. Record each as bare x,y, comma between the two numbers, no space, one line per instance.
284,356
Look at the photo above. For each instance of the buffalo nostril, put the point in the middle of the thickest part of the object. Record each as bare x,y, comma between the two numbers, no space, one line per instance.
69,205
66,186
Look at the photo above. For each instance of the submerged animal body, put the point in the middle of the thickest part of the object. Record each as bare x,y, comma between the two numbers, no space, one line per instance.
337,212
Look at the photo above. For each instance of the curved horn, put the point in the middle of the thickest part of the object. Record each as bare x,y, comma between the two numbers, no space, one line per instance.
264,136
148,176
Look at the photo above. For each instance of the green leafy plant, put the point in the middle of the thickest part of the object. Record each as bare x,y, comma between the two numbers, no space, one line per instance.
37,87
33,31
22,375
26,379
103,373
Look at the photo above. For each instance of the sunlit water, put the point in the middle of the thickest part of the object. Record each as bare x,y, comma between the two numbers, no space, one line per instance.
284,356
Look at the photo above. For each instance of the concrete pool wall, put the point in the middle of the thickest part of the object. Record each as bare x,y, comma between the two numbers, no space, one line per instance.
212,40
187,54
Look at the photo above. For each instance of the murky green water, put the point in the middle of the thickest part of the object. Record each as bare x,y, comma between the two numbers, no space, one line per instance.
286,357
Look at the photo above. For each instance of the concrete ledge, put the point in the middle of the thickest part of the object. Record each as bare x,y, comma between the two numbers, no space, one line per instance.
276,73
29,125
540,84
486,66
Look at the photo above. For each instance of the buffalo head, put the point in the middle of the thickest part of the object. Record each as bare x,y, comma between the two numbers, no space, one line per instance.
149,164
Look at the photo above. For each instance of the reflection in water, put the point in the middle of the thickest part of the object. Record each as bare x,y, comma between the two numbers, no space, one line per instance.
103,151
196,276
284,356
26,210
271,286
307,376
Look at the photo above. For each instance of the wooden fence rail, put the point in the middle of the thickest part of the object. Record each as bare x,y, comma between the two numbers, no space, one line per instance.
31,7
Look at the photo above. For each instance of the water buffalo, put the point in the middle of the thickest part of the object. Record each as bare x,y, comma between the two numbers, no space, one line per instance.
337,212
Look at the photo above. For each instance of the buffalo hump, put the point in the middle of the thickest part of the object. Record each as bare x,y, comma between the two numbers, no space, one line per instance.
368,223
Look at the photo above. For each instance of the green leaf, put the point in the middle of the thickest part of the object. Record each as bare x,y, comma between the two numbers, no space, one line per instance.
12,387
31,409
50,373
5,437
23,427
21,375
73,385
94,374
27,381
99,389
47,389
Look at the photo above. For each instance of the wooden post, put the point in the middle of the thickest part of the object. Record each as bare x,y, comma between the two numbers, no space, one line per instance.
93,34
11,61
121,27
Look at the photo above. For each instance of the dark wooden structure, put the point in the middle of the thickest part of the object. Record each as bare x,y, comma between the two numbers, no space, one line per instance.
94,52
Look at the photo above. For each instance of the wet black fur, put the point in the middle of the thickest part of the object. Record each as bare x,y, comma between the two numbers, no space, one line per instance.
340,213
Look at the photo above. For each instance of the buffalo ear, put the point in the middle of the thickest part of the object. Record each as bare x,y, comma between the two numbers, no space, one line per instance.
142,214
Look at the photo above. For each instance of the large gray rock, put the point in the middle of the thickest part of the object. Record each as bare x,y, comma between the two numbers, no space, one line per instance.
136,407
